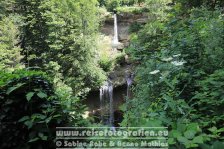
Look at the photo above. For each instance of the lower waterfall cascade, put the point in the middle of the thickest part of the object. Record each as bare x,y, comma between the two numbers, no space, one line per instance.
106,103
129,79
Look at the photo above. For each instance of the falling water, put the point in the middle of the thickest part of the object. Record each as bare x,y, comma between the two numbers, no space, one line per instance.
106,103
129,80
115,40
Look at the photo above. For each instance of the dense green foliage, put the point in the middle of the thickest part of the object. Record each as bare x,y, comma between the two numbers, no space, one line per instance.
63,33
179,82
58,37
57,32
10,52
30,110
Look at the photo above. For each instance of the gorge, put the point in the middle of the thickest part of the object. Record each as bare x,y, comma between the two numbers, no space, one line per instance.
104,103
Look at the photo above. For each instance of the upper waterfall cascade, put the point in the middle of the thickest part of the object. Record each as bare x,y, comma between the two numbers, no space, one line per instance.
115,43
115,40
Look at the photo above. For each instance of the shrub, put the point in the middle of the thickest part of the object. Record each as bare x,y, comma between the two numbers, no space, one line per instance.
111,5
106,63
180,78
30,111
210,100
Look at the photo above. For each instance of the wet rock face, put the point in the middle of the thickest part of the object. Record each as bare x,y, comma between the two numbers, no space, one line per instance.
117,76
131,18
123,34
128,18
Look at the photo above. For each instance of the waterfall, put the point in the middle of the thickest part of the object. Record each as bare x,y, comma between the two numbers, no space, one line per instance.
106,103
129,80
115,40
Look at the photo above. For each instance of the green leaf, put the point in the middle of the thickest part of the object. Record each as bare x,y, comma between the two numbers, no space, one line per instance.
213,129
198,139
181,127
48,119
218,145
29,95
221,130
176,133
11,89
42,95
182,140
41,135
33,140
191,145
171,141
205,146
29,124
193,127
39,116
189,134
24,119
